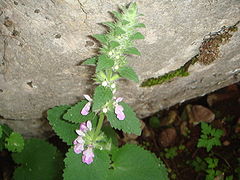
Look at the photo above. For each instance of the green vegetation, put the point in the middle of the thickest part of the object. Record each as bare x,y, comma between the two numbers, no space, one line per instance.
210,137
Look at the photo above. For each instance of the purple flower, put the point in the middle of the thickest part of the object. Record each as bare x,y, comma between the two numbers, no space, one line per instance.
80,132
78,140
83,127
79,143
78,148
119,109
87,106
119,112
88,155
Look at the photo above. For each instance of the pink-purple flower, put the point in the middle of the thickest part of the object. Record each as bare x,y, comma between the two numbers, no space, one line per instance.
119,109
79,143
87,106
88,155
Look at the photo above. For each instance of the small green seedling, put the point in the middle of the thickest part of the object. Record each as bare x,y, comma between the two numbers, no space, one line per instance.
170,153
211,171
15,142
210,137
198,164
12,141
229,177
207,165
154,122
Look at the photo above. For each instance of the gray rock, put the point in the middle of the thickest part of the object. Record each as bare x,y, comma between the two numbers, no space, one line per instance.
43,42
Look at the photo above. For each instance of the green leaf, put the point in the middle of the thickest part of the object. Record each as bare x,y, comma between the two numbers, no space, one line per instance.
109,24
119,31
209,146
39,160
104,62
6,131
135,163
139,25
132,50
100,37
125,22
130,124
218,133
206,129
137,36
15,142
201,143
133,7
117,14
209,137
90,61
64,129
129,73
101,96
74,115
75,169
114,77
113,44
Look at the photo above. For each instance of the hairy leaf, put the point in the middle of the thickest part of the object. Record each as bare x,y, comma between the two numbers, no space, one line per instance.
137,36
101,96
140,25
76,169
113,44
129,73
135,163
74,115
90,61
39,160
130,124
119,31
64,129
117,14
100,37
109,24
104,62
132,50
125,22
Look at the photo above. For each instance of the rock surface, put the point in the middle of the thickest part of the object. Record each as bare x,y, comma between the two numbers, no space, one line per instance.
43,43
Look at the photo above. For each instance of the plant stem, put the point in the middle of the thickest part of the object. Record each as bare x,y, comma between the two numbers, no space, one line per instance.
99,125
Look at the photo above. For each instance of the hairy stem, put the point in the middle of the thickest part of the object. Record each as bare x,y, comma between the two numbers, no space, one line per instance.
99,125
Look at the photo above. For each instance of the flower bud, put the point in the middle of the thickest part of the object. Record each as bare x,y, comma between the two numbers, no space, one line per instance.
104,83
105,110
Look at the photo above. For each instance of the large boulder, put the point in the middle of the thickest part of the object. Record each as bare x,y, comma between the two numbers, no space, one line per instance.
44,42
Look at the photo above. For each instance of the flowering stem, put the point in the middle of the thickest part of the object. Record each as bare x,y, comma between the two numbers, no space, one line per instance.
99,125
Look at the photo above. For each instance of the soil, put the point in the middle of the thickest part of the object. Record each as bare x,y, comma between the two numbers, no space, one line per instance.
226,109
